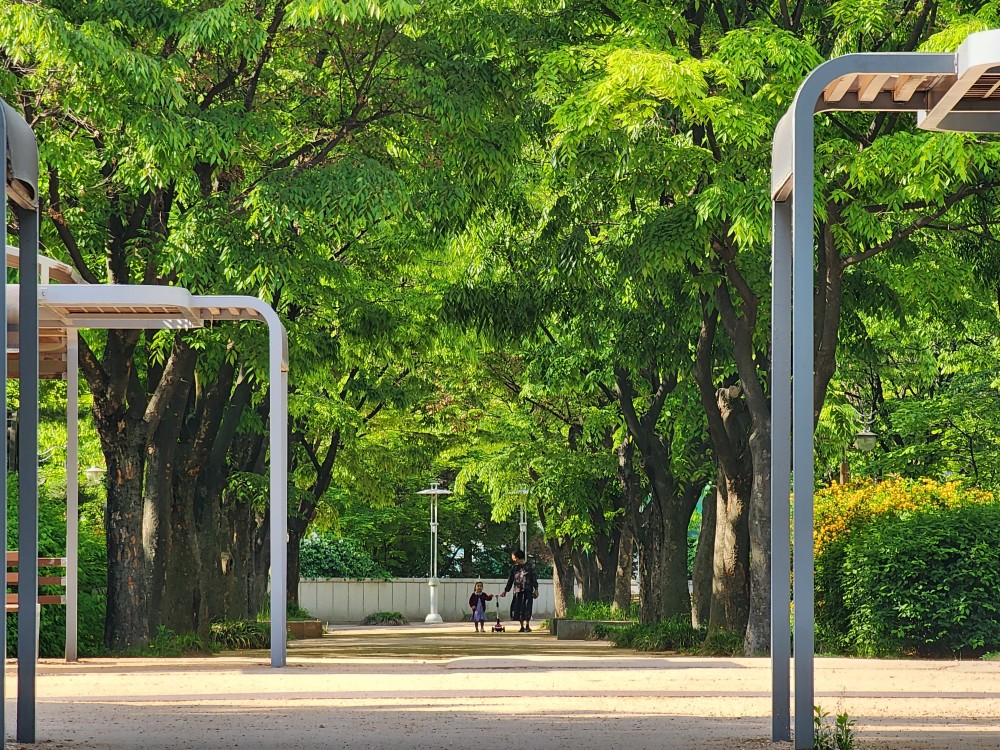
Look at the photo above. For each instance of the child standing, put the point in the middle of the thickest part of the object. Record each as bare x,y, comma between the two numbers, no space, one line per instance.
477,603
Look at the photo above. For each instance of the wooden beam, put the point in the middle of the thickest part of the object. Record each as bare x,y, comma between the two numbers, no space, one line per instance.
869,86
837,89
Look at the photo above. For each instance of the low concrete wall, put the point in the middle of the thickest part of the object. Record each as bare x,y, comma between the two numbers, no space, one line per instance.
581,630
348,600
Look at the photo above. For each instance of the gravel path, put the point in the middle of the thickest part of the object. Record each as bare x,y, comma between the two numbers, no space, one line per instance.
429,687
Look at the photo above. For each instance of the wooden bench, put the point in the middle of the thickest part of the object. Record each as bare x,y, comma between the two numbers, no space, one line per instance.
13,579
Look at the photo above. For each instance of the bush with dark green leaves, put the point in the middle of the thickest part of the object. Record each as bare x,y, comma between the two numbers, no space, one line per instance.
918,582
92,574
385,618
241,634
669,635
323,555
601,611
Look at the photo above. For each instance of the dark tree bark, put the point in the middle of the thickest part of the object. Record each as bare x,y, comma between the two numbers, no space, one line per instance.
740,429
631,496
622,599
701,593
659,526
563,580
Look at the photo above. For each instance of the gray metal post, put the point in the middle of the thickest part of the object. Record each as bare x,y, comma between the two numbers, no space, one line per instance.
278,426
800,134
22,166
3,405
802,421
781,463
277,340
72,493
27,502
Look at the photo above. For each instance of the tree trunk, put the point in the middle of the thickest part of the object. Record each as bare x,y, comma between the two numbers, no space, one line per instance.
622,600
734,413
651,572
126,617
701,575
173,556
661,536
659,523
630,497
758,636
562,575
297,526
731,575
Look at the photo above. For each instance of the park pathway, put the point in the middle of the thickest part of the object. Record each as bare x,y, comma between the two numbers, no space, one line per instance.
430,687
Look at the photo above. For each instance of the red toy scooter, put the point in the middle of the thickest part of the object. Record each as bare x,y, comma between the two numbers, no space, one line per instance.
498,626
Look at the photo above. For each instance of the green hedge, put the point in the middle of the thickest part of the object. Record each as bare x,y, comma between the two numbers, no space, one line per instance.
92,578
913,581
323,555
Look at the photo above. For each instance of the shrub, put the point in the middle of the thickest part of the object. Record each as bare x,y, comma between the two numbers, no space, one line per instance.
92,572
241,634
168,643
836,736
323,555
722,644
295,612
907,567
669,635
385,618
601,611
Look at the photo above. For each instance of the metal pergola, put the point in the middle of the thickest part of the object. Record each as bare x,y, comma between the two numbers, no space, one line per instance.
46,344
949,92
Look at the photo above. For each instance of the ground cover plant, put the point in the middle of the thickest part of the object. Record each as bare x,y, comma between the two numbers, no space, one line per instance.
385,618
241,634
675,634
836,735
601,611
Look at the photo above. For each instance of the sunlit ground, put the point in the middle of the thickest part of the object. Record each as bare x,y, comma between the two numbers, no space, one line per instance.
447,687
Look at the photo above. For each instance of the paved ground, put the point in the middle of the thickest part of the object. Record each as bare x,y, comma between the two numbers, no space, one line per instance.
443,686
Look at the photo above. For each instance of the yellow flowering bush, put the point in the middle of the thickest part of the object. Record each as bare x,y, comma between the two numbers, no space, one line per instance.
907,566
842,507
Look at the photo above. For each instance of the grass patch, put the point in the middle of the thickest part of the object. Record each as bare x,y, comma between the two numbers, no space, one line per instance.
722,644
385,618
167,643
669,635
233,635
601,611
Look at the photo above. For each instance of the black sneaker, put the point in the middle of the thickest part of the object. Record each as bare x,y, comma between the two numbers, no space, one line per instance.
521,630
527,629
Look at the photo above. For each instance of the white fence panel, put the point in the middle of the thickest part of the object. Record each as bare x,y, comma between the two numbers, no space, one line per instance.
347,600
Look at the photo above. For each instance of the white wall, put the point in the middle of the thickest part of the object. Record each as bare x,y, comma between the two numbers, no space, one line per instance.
349,600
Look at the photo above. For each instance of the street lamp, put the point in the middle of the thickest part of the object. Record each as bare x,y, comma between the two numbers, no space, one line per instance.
523,524
93,474
865,440
432,582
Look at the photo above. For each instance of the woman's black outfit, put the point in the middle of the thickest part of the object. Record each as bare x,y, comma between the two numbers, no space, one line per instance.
523,581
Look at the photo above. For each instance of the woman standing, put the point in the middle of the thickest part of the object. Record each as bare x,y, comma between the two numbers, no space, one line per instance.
522,579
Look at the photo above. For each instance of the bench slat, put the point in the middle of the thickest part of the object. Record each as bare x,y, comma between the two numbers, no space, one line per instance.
42,599
51,562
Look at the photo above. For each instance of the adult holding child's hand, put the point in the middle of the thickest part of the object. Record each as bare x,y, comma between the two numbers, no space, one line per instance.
525,585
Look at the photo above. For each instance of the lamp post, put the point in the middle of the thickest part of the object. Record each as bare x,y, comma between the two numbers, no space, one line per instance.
523,523
864,441
93,474
432,582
